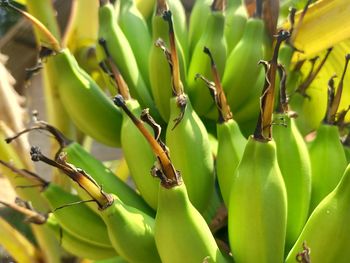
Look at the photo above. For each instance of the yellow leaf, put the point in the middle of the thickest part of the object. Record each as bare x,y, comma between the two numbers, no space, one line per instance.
325,24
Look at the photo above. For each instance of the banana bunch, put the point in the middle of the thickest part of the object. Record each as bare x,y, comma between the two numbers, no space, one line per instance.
212,135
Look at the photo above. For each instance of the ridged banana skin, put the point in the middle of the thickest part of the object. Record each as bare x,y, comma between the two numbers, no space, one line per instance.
234,26
294,162
88,107
212,38
242,69
197,23
78,220
123,56
327,231
231,144
328,162
110,183
257,213
190,152
160,77
181,233
139,157
135,28
131,233
76,246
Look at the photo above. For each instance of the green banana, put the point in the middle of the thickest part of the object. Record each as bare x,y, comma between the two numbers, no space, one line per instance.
234,26
135,28
79,157
188,143
231,142
146,7
258,206
76,246
180,230
180,25
131,232
139,157
329,219
258,200
86,104
241,71
123,56
213,39
89,227
197,22
160,77
328,162
294,162
326,149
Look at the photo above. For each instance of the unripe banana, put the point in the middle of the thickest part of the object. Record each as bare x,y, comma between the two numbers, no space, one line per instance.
77,246
329,219
231,144
135,28
242,68
89,108
294,162
328,162
189,144
139,157
112,260
89,227
258,206
146,7
234,26
180,25
181,232
131,232
213,39
198,17
123,56
160,77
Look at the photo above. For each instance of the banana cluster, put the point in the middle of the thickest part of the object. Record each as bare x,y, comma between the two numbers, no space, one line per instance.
231,178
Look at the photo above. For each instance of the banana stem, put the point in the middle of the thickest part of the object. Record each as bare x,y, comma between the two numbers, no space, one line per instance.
171,175
85,181
313,73
337,97
219,5
123,88
38,24
225,113
263,129
161,7
33,216
175,68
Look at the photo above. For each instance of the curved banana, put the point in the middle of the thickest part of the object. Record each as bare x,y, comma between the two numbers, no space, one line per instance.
294,162
197,22
76,246
139,157
135,28
86,104
189,144
180,230
328,162
330,218
235,26
160,77
258,206
146,7
242,70
131,232
123,56
213,39
76,219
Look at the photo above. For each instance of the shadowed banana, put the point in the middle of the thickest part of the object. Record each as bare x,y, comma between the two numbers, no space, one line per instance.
329,219
257,212
213,39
